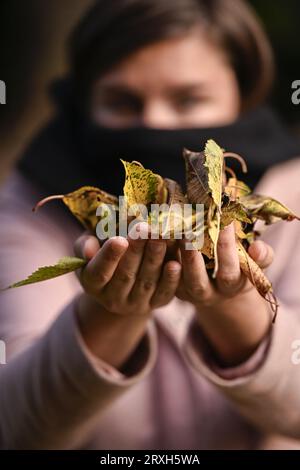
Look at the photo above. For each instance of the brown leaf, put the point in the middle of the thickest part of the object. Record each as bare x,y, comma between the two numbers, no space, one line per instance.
257,277
207,248
253,271
175,193
171,220
196,178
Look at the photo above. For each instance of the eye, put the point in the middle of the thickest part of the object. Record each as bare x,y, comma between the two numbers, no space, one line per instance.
186,103
125,104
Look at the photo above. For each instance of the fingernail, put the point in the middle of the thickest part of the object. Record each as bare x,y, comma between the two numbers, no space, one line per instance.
90,247
174,269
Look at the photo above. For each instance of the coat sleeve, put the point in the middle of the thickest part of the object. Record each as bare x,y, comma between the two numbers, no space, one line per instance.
265,389
52,389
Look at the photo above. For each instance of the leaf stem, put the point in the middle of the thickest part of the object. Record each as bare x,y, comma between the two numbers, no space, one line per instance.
239,158
45,200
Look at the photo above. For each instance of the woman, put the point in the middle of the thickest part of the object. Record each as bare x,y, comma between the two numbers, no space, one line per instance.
144,352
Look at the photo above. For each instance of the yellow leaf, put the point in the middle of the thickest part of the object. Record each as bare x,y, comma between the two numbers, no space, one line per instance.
214,161
213,222
236,189
83,204
142,186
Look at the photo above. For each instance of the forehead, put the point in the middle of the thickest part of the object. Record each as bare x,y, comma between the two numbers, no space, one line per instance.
173,62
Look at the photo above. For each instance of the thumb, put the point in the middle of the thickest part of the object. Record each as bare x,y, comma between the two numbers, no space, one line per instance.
261,253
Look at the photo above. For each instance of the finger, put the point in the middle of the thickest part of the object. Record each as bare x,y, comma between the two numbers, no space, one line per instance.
181,291
125,275
194,274
178,256
229,276
261,253
86,246
172,250
149,272
100,269
167,285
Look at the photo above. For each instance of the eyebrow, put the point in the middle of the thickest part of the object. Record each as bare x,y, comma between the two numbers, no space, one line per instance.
116,89
173,90
187,88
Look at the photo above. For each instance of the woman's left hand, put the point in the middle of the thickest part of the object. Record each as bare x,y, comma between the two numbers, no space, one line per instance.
231,313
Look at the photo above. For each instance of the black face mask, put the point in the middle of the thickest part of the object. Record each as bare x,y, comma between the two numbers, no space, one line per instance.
72,151
161,150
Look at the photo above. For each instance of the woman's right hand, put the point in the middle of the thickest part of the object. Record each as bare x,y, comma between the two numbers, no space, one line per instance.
127,276
124,280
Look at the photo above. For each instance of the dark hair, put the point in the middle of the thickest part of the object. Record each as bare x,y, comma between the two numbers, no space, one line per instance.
114,29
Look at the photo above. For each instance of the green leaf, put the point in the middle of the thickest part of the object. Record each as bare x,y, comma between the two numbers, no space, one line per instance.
63,266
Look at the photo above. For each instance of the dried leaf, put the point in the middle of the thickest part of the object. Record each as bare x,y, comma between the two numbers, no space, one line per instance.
267,209
213,162
171,221
207,248
142,186
236,189
204,175
234,211
83,204
175,193
224,201
240,233
213,223
253,271
257,277
63,266
196,178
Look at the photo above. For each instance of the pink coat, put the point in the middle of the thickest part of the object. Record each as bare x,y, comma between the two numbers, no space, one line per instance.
55,395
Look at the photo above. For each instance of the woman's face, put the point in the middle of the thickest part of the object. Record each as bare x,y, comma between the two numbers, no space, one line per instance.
177,83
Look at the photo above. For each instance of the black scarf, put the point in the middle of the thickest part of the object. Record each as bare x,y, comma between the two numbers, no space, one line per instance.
71,151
